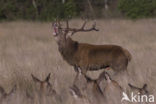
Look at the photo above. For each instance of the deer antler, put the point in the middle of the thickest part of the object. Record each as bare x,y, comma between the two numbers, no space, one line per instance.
82,29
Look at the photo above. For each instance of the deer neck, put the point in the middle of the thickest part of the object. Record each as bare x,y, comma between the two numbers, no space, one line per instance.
67,48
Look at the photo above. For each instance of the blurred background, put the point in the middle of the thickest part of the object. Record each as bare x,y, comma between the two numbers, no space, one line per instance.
28,47
47,10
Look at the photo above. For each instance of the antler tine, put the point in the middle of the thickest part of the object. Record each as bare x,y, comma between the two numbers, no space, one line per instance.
74,30
67,24
84,24
58,22
94,26
67,27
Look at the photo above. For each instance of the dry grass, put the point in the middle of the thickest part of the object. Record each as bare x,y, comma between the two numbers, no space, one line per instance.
29,47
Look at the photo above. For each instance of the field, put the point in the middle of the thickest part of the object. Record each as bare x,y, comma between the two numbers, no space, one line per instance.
29,48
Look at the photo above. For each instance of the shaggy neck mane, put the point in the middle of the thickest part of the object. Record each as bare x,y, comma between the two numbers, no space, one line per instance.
68,49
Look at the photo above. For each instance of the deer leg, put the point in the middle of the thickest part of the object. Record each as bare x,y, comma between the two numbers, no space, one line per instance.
83,71
78,72
75,68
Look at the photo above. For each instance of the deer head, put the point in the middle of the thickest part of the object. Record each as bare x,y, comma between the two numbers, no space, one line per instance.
142,90
109,82
4,94
78,95
61,34
90,91
45,86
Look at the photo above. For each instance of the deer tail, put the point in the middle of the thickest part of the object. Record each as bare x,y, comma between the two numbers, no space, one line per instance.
128,55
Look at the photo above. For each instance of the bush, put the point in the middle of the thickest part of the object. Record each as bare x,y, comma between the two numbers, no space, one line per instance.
16,9
45,10
56,9
138,8
70,9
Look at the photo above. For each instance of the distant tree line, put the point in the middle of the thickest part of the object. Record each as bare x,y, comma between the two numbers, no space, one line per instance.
137,8
47,10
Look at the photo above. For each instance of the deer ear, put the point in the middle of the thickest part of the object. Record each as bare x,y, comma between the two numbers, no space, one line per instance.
35,79
75,91
101,77
13,89
145,86
48,77
107,76
2,90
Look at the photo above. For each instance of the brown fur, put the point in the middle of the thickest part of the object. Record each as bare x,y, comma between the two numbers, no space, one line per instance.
94,57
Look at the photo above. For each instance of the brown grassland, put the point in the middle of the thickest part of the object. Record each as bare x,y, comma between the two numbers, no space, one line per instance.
29,48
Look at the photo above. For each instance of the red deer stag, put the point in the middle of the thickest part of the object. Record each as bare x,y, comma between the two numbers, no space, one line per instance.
87,56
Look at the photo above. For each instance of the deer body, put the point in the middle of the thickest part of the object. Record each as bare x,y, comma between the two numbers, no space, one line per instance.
94,57
87,56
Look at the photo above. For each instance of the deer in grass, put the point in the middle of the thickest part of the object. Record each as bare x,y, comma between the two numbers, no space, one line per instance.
90,92
4,95
79,96
112,90
87,56
90,89
142,91
94,90
45,89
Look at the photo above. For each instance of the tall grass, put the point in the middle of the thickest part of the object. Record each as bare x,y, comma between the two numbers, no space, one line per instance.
29,47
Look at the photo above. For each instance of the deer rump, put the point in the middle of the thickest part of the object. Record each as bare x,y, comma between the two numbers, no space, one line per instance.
95,57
